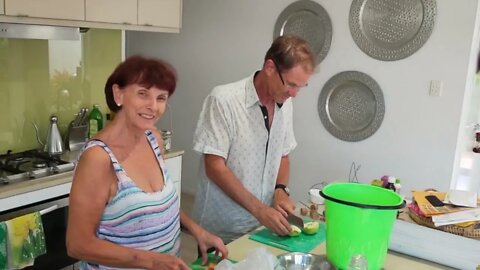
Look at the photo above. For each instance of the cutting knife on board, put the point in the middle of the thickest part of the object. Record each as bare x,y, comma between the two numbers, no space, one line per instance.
295,220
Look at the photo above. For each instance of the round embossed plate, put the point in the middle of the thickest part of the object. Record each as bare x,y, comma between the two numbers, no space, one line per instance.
310,21
351,106
390,30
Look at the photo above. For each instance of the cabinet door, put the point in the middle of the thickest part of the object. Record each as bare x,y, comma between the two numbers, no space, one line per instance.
111,11
2,6
162,13
178,186
52,9
174,167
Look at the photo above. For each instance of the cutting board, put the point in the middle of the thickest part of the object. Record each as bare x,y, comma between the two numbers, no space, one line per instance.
302,243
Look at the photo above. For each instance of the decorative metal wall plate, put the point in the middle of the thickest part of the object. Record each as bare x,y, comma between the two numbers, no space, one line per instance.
351,106
310,21
390,30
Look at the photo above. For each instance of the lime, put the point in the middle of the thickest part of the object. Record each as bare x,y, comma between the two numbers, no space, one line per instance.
295,230
311,227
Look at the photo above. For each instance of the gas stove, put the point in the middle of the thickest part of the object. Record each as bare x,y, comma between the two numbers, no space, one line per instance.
29,165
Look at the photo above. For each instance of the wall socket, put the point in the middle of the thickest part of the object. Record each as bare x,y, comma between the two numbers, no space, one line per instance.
436,88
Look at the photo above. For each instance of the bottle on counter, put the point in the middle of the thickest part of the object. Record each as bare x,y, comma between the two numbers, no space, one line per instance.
95,121
398,185
358,262
167,139
391,183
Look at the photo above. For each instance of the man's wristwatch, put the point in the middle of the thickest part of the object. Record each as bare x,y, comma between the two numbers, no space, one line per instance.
285,188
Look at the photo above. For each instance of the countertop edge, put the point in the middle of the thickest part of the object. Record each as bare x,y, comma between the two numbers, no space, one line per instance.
27,192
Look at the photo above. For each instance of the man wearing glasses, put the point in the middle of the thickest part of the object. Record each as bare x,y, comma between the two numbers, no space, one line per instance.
245,135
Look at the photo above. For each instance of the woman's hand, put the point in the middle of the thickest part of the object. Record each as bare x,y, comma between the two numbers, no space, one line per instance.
208,240
168,262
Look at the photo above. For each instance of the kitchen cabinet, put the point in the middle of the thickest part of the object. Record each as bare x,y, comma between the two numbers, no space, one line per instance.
174,167
133,15
52,9
163,13
2,7
119,11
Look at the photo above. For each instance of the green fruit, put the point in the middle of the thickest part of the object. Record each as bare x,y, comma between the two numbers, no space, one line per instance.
295,230
311,227
377,182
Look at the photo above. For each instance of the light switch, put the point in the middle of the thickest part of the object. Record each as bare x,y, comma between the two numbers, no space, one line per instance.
436,87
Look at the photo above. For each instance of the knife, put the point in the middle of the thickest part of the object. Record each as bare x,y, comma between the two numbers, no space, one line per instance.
76,121
83,120
297,221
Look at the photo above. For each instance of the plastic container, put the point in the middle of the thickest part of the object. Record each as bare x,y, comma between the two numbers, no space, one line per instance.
95,121
315,196
359,220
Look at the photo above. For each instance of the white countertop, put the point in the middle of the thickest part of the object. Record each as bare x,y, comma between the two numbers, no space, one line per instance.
239,249
31,191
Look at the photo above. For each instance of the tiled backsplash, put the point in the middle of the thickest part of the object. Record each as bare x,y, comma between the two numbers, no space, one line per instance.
43,77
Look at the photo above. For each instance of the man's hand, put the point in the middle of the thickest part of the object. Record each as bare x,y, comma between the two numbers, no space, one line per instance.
282,203
273,220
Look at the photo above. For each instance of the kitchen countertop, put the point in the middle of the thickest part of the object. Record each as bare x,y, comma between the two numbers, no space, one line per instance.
238,250
26,192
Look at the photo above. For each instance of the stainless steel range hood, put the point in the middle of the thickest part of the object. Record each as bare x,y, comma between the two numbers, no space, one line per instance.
30,31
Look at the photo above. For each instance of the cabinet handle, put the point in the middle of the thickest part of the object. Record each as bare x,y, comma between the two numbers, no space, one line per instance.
22,15
49,209
147,24
127,23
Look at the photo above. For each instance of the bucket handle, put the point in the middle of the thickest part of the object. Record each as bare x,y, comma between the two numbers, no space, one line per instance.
361,205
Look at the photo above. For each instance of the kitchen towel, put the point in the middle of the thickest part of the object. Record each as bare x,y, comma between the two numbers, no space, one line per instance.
26,240
3,245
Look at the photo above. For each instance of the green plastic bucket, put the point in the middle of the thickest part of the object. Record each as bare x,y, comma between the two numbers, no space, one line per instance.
359,220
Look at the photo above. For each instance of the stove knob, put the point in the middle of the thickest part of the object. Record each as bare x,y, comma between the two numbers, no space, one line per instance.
30,175
4,180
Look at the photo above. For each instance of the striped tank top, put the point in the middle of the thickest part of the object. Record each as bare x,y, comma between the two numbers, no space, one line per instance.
138,219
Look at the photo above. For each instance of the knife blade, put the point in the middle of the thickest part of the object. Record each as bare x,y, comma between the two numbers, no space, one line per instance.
297,221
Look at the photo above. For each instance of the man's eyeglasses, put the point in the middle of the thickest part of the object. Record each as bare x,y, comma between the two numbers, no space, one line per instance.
288,84
278,71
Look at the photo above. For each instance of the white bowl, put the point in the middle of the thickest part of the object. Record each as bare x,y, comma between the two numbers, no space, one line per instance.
315,196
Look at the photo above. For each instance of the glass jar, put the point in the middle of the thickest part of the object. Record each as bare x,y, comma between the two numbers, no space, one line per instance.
167,139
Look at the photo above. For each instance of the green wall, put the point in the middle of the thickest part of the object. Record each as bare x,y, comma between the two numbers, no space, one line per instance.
42,77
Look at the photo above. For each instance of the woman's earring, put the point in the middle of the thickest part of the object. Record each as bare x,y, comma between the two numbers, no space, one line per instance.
118,104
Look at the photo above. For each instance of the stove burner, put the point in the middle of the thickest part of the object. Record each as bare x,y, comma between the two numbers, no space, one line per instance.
30,164
39,164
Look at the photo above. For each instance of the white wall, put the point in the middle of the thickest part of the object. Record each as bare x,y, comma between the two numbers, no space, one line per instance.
222,41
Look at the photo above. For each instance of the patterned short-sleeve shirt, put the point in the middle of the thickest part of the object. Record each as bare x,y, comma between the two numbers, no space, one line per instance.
231,125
